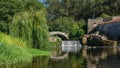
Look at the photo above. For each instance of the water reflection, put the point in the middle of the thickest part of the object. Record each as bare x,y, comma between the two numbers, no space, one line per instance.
104,57
72,62
93,57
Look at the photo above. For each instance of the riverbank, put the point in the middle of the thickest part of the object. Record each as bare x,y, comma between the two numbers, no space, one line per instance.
36,52
12,54
14,50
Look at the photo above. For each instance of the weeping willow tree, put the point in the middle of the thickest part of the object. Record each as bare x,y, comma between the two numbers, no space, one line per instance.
31,27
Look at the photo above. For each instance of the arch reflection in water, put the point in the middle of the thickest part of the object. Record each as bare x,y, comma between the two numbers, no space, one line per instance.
71,46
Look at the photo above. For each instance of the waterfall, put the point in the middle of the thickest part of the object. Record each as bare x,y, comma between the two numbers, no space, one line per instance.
71,46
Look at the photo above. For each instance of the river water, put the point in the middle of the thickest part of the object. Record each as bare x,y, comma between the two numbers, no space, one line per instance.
77,57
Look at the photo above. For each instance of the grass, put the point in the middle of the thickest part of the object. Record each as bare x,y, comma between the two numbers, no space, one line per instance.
36,52
12,41
10,54
13,50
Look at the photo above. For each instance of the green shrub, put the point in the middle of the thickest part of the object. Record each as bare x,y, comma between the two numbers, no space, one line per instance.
10,54
13,50
103,15
12,41
73,34
76,34
80,33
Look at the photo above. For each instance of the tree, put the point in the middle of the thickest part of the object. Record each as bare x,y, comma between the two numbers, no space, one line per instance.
31,27
10,7
82,9
63,24
78,30
25,19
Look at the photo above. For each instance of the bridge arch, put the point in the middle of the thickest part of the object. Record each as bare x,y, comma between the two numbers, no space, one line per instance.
62,35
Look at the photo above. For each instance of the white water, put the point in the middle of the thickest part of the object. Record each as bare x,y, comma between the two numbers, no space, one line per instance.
71,46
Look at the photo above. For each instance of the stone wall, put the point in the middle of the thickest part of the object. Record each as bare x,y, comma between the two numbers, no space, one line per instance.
106,26
112,30
92,24
98,40
53,39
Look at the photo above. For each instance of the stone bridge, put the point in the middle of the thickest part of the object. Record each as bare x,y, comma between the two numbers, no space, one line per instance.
62,35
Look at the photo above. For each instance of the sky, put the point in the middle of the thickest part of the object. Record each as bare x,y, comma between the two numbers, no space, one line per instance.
42,0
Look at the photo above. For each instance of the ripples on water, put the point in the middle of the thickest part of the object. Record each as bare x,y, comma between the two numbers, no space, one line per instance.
79,57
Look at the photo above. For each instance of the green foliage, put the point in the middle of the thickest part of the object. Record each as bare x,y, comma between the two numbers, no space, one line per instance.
82,25
73,34
12,41
36,52
82,9
25,19
78,30
10,7
76,34
80,33
63,24
104,15
3,26
13,50
10,54
31,27
58,42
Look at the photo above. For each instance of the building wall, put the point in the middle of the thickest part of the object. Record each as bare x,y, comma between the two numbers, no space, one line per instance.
92,24
112,30
108,26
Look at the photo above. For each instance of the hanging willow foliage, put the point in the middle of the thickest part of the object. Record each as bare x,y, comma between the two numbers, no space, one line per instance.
31,27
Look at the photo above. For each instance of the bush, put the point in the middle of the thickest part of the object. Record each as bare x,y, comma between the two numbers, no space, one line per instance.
76,34
12,50
103,15
73,34
12,41
10,54
80,32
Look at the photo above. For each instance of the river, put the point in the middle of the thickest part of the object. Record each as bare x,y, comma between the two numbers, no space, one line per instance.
77,57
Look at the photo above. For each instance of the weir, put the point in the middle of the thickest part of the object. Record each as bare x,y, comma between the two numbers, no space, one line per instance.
71,46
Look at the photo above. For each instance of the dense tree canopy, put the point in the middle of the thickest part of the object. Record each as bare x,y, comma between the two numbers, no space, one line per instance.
61,13
25,19
8,8
82,8
63,24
